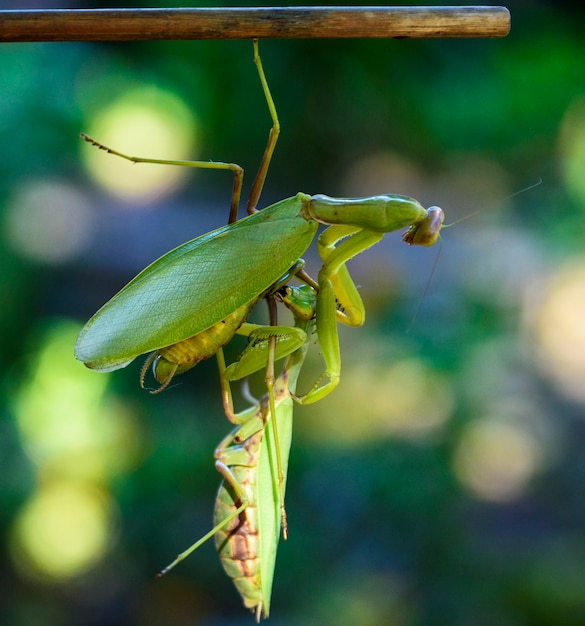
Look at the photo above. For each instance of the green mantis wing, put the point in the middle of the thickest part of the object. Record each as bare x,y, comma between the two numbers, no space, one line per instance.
247,546
268,495
196,285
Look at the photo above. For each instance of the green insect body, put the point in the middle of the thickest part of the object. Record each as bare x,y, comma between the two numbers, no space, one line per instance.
247,544
248,511
189,303
248,515
249,508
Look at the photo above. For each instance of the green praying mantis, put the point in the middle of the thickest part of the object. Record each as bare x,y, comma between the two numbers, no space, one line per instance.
192,300
189,303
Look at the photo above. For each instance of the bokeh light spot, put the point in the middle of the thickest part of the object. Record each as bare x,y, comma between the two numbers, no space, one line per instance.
77,438
48,221
63,419
376,173
62,530
404,400
144,122
559,328
495,459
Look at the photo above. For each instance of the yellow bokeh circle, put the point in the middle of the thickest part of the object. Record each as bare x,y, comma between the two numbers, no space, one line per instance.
145,122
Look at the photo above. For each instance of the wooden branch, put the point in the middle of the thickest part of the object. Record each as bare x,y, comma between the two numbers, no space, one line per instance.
246,23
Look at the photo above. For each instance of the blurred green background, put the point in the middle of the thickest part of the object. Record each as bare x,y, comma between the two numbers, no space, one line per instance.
442,482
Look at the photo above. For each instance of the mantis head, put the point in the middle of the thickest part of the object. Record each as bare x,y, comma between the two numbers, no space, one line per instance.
425,232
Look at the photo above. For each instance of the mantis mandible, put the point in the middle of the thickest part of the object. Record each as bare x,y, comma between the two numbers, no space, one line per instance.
213,281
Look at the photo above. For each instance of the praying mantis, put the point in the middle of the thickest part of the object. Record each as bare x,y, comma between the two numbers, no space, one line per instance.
189,303
201,293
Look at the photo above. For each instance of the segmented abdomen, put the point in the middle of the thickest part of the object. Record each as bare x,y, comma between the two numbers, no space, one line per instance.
238,543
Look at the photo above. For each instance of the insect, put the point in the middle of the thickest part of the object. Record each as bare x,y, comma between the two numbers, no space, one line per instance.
192,300
247,517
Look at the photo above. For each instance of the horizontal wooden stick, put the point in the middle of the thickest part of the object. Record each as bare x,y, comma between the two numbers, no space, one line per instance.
246,23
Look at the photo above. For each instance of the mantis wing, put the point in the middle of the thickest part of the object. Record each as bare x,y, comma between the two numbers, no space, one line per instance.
196,285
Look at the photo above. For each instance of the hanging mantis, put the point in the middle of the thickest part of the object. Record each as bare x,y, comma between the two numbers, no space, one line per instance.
189,303
204,289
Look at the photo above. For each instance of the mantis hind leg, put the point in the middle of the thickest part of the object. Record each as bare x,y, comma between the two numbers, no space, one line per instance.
258,183
229,478
237,170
